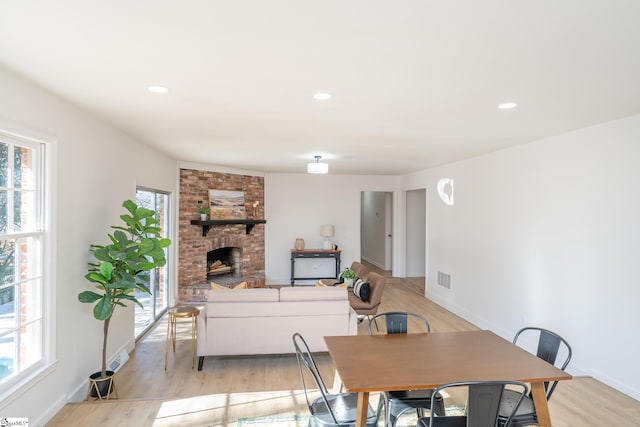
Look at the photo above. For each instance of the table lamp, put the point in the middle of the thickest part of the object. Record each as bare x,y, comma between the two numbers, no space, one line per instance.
326,231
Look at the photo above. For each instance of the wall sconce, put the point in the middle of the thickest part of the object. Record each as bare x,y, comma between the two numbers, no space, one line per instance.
445,190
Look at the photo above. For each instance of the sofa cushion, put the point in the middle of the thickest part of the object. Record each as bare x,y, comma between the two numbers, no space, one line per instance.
244,295
312,293
217,287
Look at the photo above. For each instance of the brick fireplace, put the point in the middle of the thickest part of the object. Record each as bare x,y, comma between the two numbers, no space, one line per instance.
246,250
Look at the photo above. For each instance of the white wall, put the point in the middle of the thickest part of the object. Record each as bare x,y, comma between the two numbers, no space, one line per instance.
416,232
547,234
92,179
296,205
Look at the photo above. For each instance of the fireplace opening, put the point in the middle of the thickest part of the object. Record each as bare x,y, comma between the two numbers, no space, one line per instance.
224,263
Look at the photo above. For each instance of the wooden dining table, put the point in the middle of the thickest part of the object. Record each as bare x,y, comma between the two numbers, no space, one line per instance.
374,363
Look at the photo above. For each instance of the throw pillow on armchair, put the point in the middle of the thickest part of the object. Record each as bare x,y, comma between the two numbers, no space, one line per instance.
362,290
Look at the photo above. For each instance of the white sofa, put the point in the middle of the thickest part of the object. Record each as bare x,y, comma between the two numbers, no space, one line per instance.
262,321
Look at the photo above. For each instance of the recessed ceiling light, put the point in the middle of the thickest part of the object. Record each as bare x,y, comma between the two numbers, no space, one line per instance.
322,96
157,89
507,105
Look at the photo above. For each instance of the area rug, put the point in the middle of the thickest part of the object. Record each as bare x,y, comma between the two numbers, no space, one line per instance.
275,421
406,420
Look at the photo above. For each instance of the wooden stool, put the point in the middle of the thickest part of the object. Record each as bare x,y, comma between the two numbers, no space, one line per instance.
185,312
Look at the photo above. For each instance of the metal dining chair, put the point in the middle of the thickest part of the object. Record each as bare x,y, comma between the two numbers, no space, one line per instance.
330,409
396,403
549,346
482,406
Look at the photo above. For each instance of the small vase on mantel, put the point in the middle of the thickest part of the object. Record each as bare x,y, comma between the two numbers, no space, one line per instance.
299,246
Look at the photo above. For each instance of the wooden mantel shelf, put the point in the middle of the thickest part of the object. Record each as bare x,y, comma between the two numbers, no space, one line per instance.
206,225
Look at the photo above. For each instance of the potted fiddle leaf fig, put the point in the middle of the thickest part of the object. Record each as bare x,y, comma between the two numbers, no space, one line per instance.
121,268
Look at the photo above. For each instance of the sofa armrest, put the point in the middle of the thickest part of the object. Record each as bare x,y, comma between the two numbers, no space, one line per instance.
201,332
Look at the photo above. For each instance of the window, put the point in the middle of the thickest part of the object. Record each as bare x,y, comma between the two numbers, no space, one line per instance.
155,304
22,349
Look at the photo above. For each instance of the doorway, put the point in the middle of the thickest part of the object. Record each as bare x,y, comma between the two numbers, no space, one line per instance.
376,223
416,234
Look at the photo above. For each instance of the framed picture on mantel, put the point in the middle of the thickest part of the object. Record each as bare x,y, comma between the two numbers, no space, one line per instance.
226,204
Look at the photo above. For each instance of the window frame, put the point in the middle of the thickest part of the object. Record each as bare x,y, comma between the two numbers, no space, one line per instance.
43,161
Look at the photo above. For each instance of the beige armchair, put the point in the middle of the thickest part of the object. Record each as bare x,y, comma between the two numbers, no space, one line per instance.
369,308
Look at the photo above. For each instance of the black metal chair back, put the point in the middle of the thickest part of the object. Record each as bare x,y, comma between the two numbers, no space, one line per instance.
397,322
549,345
398,402
483,404
336,410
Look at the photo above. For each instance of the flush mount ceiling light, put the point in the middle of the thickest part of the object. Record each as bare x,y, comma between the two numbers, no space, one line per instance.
507,105
322,96
317,167
158,89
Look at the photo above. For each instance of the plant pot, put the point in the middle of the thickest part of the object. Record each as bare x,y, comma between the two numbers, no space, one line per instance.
100,388
349,282
203,217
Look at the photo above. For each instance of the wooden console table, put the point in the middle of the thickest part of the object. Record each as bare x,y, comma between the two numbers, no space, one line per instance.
313,253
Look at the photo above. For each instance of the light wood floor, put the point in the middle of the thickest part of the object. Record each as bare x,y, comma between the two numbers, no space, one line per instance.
229,388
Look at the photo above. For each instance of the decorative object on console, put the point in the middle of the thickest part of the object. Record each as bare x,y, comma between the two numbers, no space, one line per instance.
317,167
326,231
226,204
299,246
255,209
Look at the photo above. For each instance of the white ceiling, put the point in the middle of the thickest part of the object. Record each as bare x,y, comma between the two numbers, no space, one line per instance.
415,82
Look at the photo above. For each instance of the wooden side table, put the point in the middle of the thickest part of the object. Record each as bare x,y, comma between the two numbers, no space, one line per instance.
183,312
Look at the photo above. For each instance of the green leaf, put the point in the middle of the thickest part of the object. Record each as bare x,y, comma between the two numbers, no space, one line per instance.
146,246
129,221
96,277
88,297
122,238
142,213
141,287
123,285
130,206
103,310
146,266
106,269
102,254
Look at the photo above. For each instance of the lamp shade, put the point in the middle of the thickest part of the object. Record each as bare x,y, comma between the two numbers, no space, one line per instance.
317,167
326,230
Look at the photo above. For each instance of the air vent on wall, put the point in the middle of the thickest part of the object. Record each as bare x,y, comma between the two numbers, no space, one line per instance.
444,280
118,361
